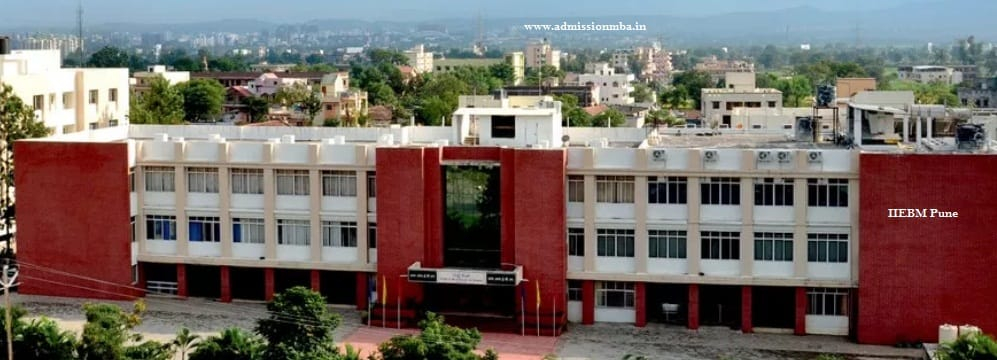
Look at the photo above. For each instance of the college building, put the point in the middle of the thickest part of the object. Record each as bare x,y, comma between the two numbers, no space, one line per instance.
506,217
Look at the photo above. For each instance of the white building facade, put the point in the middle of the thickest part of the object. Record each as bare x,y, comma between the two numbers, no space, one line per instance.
614,89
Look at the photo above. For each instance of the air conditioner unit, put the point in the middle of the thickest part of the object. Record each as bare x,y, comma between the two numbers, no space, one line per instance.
815,156
764,156
710,155
785,156
658,155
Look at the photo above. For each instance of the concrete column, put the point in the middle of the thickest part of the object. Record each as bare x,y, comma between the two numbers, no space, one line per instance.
226,282
800,228
853,234
362,241
746,326
316,277
589,213
362,293
693,307
180,198
906,131
640,304
269,222
693,245
224,203
800,328
140,231
588,302
918,130
856,126
747,248
640,230
928,121
315,201
268,284
182,281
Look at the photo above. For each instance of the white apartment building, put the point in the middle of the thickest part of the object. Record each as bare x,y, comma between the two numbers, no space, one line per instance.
718,105
267,84
419,59
542,53
66,100
930,73
614,89
141,80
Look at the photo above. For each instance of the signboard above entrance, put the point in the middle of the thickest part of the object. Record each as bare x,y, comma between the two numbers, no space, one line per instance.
465,276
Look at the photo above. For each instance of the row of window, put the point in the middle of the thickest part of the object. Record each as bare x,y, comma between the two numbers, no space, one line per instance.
38,101
251,231
713,191
617,294
715,245
250,181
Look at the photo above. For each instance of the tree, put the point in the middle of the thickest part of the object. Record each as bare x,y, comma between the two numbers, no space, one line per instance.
202,99
642,93
930,93
314,59
571,112
109,57
231,344
38,339
675,98
693,82
17,121
503,71
163,104
301,96
299,323
969,347
149,350
611,116
436,341
184,341
257,107
107,330
393,57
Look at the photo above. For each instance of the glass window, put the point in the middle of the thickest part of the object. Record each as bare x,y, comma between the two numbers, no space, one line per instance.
576,242
247,181
203,228
773,192
339,234
666,190
827,192
293,232
160,227
576,188
202,180
721,245
615,294
371,185
827,301
372,235
615,242
666,244
574,290
158,178
292,182
339,183
720,191
773,246
831,248
248,231
614,189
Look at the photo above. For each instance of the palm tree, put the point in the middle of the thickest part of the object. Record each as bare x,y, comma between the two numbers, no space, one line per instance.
231,344
184,341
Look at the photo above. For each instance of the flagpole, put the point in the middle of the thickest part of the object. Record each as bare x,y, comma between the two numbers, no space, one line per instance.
538,307
384,302
522,305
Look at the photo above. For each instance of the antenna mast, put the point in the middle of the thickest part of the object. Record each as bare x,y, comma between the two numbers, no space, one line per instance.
79,30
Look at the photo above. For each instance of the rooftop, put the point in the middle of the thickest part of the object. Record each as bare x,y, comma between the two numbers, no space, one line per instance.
741,91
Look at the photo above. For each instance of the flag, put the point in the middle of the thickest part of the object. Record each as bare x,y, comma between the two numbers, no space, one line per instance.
384,290
538,295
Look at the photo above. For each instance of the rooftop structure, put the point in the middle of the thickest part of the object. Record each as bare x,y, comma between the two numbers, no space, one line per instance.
141,80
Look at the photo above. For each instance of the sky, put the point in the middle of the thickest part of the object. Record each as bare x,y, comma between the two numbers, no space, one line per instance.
63,12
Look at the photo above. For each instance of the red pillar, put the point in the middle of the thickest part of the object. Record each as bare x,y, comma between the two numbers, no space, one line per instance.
226,291
588,302
693,307
746,326
640,304
182,280
362,291
268,285
316,281
801,311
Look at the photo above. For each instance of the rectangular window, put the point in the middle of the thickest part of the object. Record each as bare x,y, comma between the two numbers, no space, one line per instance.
666,190
158,178
93,96
160,227
829,248
248,231
716,105
666,244
771,104
615,242
574,290
371,185
503,126
773,246
112,95
202,180
827,301
339,234
576,242
773,192
827,192
721,245
38,102
615,294
247,181
131,180
614,189
293,232
576,188
204,228
134,230
720,191
292,182
339,183
372,235
67,100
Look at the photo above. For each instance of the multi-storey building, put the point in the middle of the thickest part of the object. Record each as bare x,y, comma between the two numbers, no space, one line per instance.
718,105
534,224
66,100
933,73
420,59
142,80
614,88
339,101
718,69
542,53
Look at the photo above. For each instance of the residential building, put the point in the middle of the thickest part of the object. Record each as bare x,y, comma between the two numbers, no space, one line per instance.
542,53
587,95
515,59
717,105
268,84
848,87
66,100
420,59
930,73
339,101
614,89
742,229
141,80
720,68
982,96
244,78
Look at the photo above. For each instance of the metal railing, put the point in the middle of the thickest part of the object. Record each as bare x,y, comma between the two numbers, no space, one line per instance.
161,287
